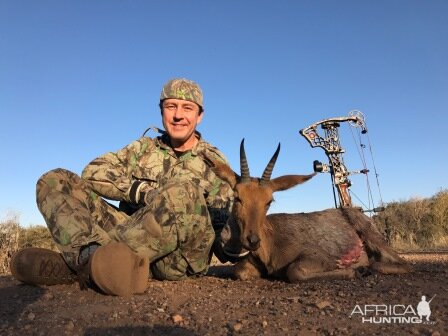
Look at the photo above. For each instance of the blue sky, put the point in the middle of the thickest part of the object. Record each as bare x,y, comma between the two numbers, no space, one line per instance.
80,78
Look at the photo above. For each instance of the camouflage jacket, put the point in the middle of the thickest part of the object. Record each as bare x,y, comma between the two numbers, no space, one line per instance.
154,161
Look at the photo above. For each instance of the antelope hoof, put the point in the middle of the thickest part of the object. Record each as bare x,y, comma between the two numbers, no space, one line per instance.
246,271
362,272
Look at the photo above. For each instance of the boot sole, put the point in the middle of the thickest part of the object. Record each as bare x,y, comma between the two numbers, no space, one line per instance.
38,266
117,270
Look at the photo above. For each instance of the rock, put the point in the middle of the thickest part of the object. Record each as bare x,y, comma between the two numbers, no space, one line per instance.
31,316
70,326
294,299
237,326
323,304
48,296
177,318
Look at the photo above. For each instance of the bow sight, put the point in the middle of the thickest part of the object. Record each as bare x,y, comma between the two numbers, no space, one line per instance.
331,144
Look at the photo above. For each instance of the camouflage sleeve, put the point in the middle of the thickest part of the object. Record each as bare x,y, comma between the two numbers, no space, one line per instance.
219,197
110,175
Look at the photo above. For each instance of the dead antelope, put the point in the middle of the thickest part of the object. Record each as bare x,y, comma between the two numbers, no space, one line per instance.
329,244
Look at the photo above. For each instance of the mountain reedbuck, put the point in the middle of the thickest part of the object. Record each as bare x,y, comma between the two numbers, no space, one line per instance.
330,244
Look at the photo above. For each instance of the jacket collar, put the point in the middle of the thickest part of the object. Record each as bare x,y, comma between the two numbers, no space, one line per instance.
163,141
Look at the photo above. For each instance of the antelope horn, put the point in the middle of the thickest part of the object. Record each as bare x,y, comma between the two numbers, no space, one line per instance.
245,175
268,170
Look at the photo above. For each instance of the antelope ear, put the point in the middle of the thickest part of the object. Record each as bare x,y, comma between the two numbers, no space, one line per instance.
288,181
221,169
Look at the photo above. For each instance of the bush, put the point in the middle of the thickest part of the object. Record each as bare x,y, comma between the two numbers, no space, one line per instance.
417,223
9,241
36,236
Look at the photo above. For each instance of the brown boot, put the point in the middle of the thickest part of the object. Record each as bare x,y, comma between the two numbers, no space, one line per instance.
38,266
117,270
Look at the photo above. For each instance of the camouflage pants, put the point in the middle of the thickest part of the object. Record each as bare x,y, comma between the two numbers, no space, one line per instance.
174,230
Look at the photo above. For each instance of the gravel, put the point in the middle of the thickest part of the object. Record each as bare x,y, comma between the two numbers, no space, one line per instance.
218,305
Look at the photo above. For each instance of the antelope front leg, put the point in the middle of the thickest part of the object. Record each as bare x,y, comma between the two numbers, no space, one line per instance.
246,270
390,268
298,271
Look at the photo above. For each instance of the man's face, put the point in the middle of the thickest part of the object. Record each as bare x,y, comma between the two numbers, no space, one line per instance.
180,118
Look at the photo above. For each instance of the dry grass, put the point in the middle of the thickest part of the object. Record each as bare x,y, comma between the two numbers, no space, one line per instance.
426,257
9,242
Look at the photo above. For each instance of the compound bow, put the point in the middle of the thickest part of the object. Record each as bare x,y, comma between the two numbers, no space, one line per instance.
331,144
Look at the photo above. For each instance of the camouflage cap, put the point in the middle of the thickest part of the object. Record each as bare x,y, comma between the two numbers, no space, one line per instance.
181,88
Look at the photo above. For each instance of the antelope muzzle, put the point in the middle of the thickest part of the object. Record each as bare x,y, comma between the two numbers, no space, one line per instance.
253,241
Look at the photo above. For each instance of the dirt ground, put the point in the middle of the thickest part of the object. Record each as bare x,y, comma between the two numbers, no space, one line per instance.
217,305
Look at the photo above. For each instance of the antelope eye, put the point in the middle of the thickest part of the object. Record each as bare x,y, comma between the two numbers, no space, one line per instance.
236,199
